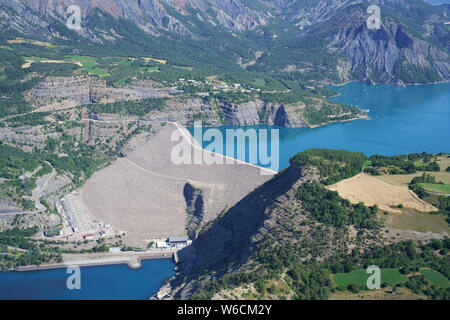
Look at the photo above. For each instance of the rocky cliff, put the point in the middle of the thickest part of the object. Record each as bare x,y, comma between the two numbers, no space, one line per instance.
293,115
387,55
78,89
244,114
260,112
195,209
39,17
85,90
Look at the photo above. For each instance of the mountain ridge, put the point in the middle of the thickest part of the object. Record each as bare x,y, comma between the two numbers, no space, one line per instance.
286,239
260,35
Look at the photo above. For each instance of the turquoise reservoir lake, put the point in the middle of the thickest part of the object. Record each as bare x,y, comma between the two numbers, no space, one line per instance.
404,120
111,282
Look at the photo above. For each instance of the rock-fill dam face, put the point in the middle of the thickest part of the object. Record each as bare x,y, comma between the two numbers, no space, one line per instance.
148,196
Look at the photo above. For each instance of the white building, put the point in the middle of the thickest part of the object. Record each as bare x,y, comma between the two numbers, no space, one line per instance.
162,245
179,242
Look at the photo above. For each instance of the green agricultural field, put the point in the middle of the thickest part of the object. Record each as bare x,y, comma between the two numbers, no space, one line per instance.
436,187
90,65
101,72
259,83
435,277
359,277
184,68
6,48
149,69
126,62
87,62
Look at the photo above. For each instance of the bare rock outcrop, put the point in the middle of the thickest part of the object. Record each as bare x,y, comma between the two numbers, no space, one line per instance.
37,17
244,114
260,112
7,206
389,54
195,209
76,88
85,90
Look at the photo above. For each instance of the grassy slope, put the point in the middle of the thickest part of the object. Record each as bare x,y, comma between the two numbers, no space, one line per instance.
436,187
435,277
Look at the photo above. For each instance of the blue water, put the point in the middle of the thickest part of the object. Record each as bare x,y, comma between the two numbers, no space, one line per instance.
403,120
101,282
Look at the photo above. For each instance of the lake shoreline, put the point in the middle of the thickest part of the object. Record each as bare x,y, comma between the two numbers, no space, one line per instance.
361,117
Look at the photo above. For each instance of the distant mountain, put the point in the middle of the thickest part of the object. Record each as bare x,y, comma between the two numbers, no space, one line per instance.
38,17
446,8
301,39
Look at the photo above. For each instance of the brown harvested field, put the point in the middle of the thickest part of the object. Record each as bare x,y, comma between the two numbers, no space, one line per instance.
370,190
29,63
444,162
34,42
142,194
404,179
